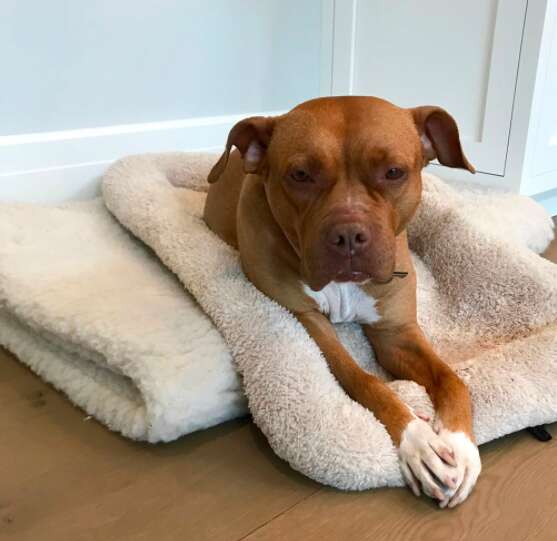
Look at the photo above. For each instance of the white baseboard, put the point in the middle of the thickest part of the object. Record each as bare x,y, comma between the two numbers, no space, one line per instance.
52,167
53,185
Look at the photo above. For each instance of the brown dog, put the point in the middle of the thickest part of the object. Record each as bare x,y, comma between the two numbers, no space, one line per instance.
317,201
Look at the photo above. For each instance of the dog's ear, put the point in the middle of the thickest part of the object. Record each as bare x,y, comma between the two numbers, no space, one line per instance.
251,137
439,136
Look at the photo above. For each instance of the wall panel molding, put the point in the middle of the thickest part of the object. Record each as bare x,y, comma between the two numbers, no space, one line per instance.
56,166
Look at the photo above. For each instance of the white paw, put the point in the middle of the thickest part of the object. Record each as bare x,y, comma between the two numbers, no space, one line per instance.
468,465
427,461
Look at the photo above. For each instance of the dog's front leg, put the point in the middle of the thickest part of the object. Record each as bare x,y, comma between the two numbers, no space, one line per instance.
426,459
407,354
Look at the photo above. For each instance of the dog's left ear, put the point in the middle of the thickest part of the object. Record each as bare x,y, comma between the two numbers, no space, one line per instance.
251,137
439,136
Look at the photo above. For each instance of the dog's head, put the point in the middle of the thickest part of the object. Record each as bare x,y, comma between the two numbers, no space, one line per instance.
343,178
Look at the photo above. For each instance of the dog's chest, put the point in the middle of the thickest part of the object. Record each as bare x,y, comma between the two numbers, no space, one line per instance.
345,302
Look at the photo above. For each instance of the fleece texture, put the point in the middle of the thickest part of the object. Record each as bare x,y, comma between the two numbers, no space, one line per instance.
93,312
487,301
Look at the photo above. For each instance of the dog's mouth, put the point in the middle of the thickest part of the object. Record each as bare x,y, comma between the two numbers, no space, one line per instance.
352,276
363,277
318,281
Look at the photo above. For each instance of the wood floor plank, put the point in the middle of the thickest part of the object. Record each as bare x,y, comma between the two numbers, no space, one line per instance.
515,500
62,477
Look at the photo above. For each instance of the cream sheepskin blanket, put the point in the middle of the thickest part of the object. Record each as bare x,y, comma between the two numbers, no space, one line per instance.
92,311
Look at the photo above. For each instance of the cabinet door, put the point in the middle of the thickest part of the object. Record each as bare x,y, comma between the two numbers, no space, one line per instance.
462,56
541,170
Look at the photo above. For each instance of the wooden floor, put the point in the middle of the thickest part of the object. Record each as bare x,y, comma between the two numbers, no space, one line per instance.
64,477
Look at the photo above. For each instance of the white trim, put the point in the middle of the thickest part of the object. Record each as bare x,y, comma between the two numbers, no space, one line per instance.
54,185
462,175
522,120
344,35
538,175
326,53
52,167
51,150
65,135
491,146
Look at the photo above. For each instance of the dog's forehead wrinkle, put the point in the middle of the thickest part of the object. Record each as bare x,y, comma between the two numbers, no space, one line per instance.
300,136
345,136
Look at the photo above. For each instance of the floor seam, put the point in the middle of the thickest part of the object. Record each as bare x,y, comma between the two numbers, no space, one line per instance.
279,514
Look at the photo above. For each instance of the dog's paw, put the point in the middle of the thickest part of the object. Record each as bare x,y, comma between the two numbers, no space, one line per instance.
468,465
427,461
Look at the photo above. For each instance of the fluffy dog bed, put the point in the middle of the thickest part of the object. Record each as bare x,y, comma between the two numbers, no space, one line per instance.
486,299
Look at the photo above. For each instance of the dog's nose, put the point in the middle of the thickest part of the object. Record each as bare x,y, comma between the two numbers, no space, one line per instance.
348,239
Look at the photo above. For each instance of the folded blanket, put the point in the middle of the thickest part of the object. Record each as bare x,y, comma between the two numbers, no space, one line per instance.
93,311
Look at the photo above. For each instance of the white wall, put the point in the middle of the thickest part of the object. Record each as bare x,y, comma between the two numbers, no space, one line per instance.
179,72
70,64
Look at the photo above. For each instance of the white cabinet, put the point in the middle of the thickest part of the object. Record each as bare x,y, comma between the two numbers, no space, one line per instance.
541,150
491,63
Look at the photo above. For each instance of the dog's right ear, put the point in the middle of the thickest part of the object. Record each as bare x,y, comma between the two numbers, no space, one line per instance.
251,137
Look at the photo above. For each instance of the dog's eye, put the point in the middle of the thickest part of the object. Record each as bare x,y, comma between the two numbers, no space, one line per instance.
299,175
394,173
